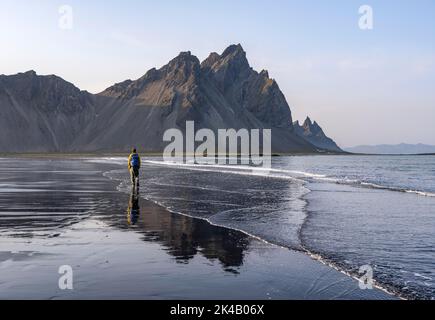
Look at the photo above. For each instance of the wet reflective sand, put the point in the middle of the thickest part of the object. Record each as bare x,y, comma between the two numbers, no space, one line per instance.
65,212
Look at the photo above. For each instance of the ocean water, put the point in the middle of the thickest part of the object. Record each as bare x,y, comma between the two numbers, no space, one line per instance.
348,211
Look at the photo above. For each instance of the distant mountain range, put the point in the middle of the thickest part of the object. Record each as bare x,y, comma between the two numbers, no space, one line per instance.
402,148
49,114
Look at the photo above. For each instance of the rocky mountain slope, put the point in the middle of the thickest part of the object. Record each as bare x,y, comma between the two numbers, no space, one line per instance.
312,132
46,113
41,114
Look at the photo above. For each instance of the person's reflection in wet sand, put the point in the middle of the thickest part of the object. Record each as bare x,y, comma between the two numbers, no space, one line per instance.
184,237
133,210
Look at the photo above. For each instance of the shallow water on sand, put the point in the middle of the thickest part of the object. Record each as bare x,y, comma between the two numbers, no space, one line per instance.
352,211
271,209
66,212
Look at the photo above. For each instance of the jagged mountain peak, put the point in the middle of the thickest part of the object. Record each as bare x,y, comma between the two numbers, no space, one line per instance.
307,122
221,92
20,75
233,58
312,127
185,57
235,55
233,50
41,113
264,73
312,132
186,67
210,60
183,66
30,73
30,85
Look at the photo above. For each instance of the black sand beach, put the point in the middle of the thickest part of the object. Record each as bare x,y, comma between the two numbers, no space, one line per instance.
66,212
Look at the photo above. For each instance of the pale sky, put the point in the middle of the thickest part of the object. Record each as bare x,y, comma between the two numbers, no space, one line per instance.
362,86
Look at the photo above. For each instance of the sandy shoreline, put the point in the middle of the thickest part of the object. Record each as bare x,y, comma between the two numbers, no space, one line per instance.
64,212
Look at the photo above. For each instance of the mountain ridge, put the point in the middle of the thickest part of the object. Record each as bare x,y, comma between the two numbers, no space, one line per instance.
223,91
312,132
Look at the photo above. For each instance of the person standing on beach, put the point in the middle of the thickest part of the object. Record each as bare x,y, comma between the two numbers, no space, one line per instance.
134,166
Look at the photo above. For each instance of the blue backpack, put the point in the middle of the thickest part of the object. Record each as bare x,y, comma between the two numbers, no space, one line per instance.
134,162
